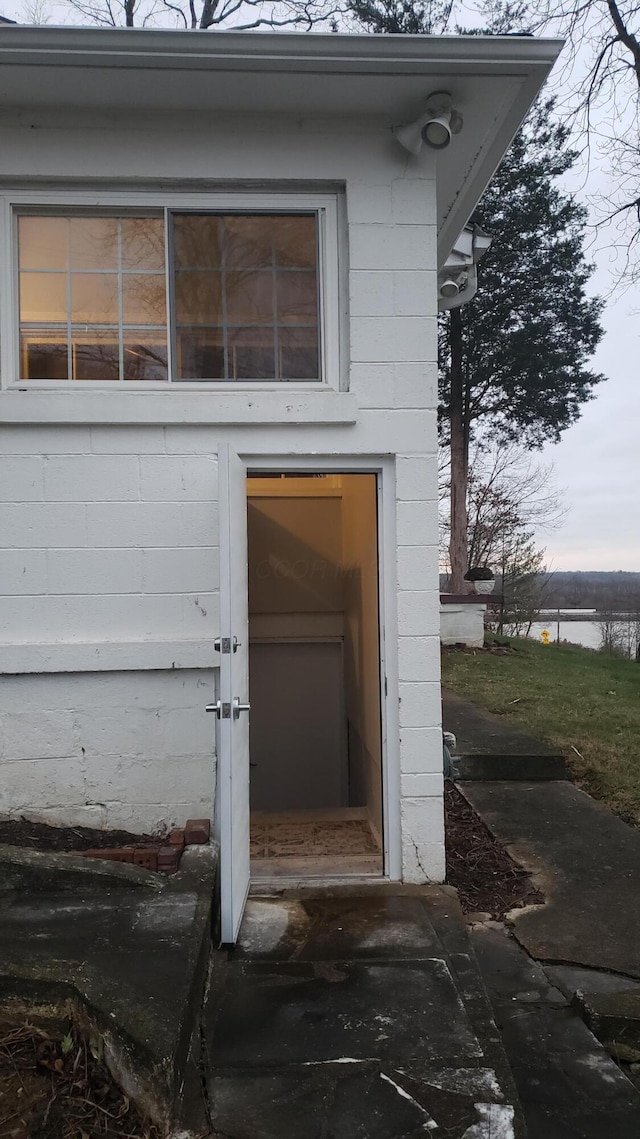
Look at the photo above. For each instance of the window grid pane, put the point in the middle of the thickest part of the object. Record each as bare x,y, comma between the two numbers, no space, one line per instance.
105,263
244,296
265,267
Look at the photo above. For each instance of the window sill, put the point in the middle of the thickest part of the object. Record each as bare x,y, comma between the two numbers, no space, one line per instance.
171,406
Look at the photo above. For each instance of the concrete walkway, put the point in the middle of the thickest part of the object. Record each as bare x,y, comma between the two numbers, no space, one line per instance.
355,1015
572,964
585,860
490,748
568,1084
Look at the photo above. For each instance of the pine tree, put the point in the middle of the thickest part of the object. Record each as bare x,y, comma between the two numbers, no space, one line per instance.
513,361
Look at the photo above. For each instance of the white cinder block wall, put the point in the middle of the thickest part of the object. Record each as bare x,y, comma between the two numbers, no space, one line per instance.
110,526
111,550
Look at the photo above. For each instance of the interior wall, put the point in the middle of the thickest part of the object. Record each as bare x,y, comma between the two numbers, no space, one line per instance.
362,643
297,734
295,554
296,602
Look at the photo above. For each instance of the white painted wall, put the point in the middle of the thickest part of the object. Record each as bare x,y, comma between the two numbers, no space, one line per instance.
116,749
463,624
110,531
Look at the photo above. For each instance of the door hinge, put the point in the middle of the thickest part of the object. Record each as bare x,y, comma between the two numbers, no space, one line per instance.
226,644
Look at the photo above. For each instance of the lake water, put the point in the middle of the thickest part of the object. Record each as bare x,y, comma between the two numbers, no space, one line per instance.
585,633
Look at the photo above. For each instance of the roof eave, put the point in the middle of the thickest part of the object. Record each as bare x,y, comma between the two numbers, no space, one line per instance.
274,51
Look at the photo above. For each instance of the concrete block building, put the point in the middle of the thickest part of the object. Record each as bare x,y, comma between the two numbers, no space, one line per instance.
220,260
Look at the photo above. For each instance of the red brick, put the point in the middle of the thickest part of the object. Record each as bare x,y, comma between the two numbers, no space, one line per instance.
176,837
145,856
168,859
197,831
96,853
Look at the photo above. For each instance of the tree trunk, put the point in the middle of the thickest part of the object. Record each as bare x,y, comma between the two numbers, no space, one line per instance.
459,430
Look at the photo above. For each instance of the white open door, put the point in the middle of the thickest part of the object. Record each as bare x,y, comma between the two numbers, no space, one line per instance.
232,708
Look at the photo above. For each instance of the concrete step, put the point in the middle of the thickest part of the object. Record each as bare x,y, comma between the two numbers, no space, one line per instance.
355,1016
488,748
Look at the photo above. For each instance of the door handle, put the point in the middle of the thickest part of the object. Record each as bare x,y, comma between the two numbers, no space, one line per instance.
223,710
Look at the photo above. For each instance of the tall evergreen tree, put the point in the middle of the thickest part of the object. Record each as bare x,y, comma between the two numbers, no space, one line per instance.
513,361
395,17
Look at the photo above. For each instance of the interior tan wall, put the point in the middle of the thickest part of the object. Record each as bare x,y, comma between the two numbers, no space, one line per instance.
361,640
295,554
296,602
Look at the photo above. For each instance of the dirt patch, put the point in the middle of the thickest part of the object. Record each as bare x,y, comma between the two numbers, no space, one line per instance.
485,876
56,1086
40,836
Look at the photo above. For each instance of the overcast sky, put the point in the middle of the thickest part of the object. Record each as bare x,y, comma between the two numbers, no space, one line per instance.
597,462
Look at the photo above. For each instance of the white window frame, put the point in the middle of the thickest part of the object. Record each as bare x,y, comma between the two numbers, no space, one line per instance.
325,206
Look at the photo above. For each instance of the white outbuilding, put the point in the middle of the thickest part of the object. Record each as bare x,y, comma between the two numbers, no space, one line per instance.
219,260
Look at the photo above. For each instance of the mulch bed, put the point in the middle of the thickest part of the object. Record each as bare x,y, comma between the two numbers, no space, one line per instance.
485,876
160,853
56,1086
41,836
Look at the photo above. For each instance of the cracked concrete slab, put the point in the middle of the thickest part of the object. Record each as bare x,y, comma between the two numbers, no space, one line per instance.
130,950
615,1019
294,1012
584,859
356,1016
571,978
569,1086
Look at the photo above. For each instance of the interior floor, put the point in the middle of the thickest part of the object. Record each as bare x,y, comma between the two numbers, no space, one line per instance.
310,843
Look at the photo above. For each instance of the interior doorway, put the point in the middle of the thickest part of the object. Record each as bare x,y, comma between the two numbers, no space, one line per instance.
314,676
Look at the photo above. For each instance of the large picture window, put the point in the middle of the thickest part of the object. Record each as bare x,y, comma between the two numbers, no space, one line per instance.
169,297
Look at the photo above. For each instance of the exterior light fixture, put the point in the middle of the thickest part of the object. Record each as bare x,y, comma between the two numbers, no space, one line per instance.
434,127
449,288
458,277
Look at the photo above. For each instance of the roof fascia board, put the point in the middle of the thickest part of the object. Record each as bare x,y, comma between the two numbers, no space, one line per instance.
401,54
483,170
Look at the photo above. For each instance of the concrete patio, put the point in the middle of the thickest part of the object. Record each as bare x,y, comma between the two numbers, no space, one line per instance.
349,1013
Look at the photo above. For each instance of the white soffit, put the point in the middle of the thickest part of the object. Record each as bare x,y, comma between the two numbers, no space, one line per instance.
493,82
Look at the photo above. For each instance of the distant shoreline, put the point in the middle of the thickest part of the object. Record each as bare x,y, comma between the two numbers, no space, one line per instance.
583,615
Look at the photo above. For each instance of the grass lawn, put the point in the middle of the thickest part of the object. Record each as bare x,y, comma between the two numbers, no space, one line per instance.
571,697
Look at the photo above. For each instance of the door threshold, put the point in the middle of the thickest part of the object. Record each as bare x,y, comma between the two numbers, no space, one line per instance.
317,866
336,888
270,885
